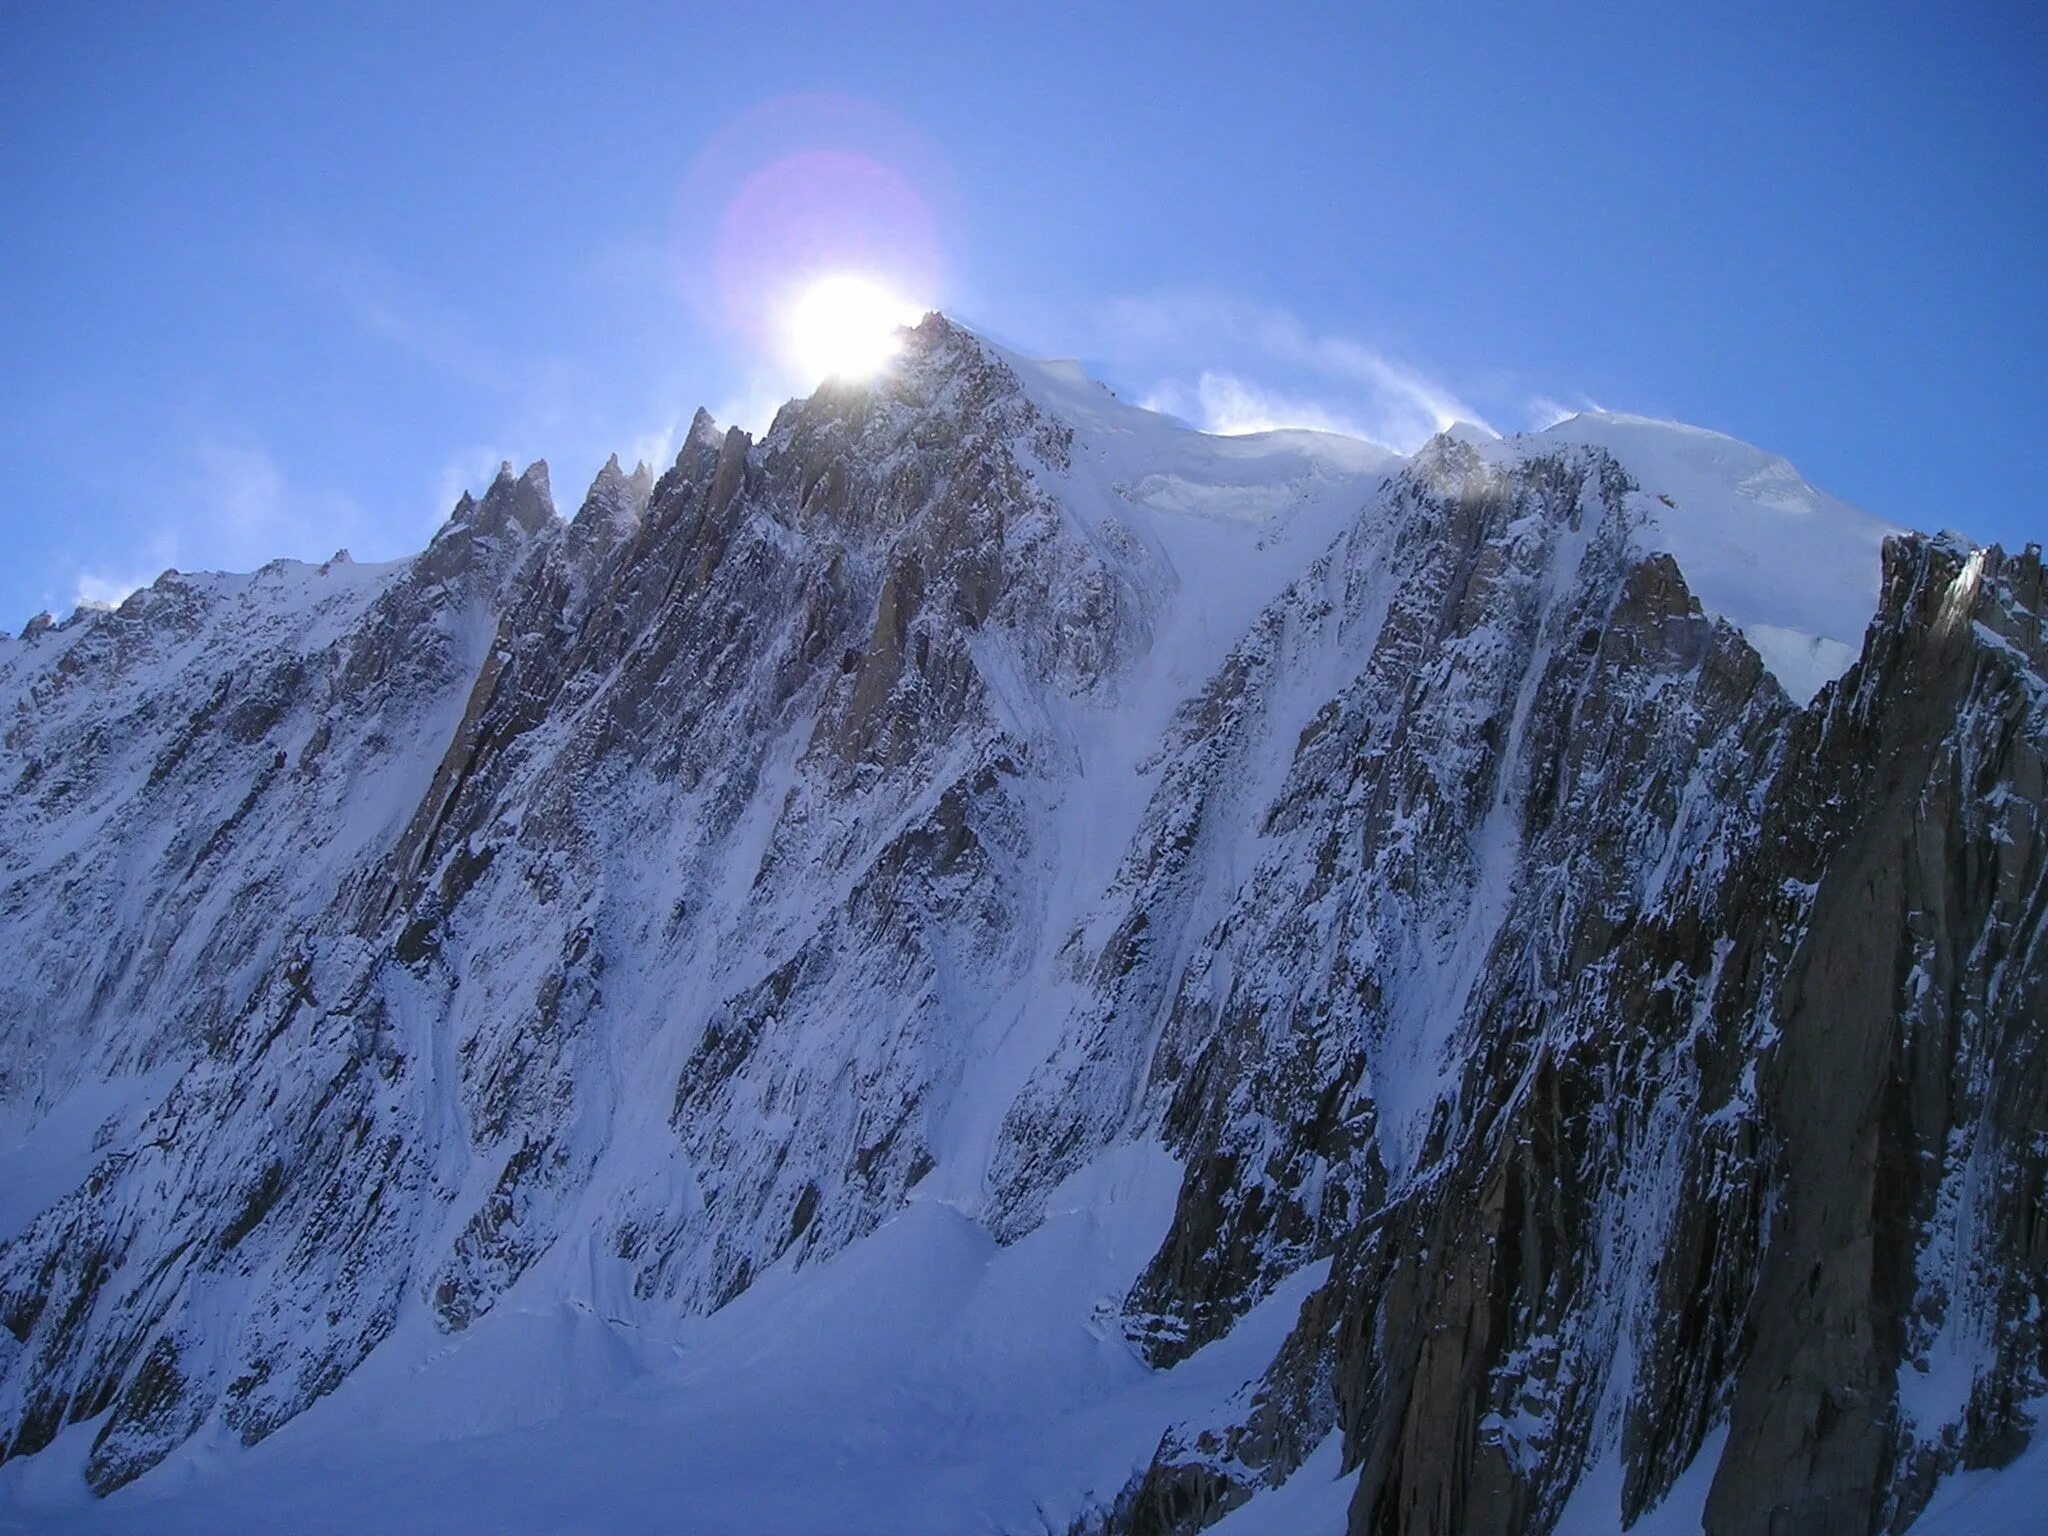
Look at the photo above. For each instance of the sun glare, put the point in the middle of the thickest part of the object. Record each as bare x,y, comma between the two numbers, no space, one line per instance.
843,326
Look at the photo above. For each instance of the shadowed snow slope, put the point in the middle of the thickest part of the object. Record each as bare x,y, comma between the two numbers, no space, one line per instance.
988,962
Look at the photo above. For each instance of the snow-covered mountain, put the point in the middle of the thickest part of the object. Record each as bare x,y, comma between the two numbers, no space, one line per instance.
988,962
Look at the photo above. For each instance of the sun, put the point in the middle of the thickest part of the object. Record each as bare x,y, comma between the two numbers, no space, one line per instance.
843,325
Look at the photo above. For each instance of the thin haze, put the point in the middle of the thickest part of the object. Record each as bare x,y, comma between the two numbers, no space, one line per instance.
286,279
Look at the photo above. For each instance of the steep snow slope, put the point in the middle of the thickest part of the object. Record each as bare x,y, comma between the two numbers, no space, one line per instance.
988,961
1791,567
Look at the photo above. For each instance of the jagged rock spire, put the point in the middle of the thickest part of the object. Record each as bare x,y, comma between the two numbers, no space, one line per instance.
630,490
703,434
514,508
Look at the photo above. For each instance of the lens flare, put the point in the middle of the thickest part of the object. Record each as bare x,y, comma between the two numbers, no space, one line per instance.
806,235
843,325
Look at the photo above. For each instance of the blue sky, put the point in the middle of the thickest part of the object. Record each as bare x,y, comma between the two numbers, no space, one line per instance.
282,279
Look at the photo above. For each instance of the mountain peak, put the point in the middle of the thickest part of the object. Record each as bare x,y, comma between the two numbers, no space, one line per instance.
618,492
704,433
523,504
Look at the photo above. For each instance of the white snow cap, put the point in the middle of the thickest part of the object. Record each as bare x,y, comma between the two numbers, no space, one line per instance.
1794,569
1790,566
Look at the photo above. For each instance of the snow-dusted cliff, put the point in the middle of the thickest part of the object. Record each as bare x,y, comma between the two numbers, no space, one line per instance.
990,962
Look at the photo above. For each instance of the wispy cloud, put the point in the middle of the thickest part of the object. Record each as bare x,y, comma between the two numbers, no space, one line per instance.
104,586
100,589
753,408
396,310
1225,403
574,410
466,469
1335,382
1548,411
251,511
234,507
656,448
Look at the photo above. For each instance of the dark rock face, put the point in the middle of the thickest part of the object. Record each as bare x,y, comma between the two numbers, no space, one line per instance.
1773,1122
1905,1092
662,895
